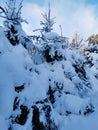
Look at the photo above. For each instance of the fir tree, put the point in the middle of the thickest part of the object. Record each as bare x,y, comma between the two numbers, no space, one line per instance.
12,22
48,21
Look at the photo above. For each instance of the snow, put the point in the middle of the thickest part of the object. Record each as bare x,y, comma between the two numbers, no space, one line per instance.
4,44
12,73
4,124
80,123
51,35
71,93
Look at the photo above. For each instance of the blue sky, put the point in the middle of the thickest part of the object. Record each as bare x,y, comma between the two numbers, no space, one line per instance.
74,15
41,2
92,1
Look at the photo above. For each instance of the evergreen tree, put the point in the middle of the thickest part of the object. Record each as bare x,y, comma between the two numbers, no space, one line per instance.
48,22
91,50
12,22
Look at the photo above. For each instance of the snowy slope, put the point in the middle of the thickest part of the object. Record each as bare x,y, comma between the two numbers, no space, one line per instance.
46,92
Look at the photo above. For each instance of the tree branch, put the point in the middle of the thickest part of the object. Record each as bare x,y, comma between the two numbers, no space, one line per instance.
20,7
3,10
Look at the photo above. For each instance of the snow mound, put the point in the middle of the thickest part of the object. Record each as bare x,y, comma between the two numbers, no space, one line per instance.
51,35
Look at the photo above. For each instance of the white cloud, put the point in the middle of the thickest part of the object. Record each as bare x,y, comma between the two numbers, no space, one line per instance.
73,15
32,12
